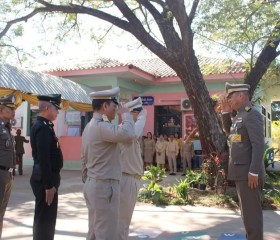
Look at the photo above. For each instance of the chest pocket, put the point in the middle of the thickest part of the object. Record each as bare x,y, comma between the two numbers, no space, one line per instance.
5,141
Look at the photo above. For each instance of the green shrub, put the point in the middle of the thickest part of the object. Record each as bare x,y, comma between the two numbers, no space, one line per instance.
154,175
182,189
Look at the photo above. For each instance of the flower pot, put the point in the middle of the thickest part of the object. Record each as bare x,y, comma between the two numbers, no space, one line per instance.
194,185
202,186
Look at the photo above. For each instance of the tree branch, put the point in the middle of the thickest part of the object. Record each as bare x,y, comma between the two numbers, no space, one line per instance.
159,2
178,9
133,25
267,55
193,10
165,24
17,50
144,12
21,19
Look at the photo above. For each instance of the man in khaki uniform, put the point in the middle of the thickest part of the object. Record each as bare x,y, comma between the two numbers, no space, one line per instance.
172,150
7,153
132,170
101,163
246,165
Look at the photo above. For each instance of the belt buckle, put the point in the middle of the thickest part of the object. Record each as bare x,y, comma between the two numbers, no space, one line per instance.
10,170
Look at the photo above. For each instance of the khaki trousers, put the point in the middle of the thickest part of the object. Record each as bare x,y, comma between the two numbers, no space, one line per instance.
6,182
251,210
103,200
129,192
172,162
187,158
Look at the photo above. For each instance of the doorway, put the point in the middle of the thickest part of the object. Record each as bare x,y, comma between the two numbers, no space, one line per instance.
168,120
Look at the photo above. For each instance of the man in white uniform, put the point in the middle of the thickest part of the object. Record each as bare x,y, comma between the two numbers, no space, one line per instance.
101,163
132,170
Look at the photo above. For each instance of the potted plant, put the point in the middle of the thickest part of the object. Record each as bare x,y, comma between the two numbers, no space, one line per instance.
193,178
203,181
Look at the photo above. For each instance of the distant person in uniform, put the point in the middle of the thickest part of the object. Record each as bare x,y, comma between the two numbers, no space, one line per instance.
132,171
48,162
179,156
148,149
19,149
187,153
160,152
246,165
7,153
172,150
101,166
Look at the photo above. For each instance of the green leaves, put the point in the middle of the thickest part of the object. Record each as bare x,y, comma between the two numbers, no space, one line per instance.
238,26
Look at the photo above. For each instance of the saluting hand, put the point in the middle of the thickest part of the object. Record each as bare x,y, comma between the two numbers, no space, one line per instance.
253,181
225,107
122,109
50,195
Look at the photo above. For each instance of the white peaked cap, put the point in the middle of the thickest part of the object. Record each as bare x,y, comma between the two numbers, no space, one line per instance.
136,103
106,94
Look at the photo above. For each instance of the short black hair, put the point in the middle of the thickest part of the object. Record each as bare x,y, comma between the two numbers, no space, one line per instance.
97,103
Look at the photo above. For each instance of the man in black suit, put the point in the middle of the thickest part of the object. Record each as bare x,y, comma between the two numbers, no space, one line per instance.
48,161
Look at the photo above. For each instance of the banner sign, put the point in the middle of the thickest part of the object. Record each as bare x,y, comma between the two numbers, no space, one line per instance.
146,100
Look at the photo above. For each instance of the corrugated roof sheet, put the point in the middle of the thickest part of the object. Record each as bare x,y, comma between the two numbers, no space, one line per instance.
40,84
153,66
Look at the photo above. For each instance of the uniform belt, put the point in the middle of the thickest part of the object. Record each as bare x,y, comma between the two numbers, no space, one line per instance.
6,169
104,180
136,176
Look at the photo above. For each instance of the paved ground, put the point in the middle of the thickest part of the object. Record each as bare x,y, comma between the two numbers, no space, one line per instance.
149,222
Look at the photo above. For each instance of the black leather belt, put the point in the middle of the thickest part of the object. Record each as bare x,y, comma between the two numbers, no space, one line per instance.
6,169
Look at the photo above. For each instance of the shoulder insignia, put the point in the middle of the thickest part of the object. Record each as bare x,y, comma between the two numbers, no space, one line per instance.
248,109
105,118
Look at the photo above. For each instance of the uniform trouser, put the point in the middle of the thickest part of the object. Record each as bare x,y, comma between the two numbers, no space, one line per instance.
6,182
103,201
19,158
172,162
44,215
187,159
251,209
129,192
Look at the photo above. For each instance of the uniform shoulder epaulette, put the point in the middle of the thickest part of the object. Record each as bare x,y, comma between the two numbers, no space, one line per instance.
248,109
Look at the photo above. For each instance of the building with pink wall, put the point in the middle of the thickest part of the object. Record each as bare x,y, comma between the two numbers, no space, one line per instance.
164,95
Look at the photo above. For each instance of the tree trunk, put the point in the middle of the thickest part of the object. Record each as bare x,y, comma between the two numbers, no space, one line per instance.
212,137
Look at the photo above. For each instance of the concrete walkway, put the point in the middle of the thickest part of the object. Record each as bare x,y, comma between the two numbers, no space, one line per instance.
149,222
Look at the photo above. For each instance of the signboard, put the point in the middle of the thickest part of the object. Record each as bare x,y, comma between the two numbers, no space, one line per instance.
73,118
146,100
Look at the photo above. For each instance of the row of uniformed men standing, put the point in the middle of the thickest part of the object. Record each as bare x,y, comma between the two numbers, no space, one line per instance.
106,146
171,149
